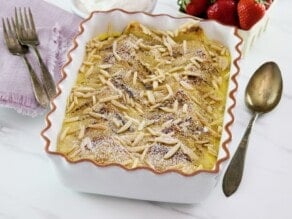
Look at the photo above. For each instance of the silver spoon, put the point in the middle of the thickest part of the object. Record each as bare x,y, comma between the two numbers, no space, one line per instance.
262,94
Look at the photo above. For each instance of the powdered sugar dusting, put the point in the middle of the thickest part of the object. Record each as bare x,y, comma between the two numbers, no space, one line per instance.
158,151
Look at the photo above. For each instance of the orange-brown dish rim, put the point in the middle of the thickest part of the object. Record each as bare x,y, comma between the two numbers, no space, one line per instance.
227,126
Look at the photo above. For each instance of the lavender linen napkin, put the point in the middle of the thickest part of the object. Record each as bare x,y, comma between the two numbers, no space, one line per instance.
56,29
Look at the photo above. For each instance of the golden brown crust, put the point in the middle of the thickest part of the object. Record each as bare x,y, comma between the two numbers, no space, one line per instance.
158,102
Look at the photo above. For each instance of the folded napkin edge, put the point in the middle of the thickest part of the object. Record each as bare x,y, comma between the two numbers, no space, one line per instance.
21,104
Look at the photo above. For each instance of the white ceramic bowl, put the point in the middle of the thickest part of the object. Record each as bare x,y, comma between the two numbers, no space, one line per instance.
142,183
79,9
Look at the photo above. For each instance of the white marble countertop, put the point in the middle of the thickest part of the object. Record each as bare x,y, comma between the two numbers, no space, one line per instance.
29,188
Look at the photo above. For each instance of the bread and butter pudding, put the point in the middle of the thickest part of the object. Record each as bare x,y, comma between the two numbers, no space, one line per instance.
148,98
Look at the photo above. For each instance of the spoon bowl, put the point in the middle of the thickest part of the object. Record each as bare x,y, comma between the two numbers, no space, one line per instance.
264,90
262,94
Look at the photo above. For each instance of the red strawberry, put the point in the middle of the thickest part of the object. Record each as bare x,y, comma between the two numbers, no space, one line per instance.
250,12
197,7
224,11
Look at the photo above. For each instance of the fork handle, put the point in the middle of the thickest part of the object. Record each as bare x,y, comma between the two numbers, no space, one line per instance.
48,80
39,92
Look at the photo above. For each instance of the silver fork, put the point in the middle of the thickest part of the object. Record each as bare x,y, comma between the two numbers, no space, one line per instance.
16,48
27,35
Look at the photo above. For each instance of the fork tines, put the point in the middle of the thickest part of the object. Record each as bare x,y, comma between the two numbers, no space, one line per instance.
7,31
24,19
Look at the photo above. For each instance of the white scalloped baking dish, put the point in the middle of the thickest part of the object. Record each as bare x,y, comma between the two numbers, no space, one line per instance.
141,183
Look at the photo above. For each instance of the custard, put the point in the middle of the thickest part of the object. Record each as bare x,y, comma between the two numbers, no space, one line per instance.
148,98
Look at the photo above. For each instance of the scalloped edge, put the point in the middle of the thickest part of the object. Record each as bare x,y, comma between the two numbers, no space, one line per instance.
227,126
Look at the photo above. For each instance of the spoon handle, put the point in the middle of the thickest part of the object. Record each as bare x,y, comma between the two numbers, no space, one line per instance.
233,174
